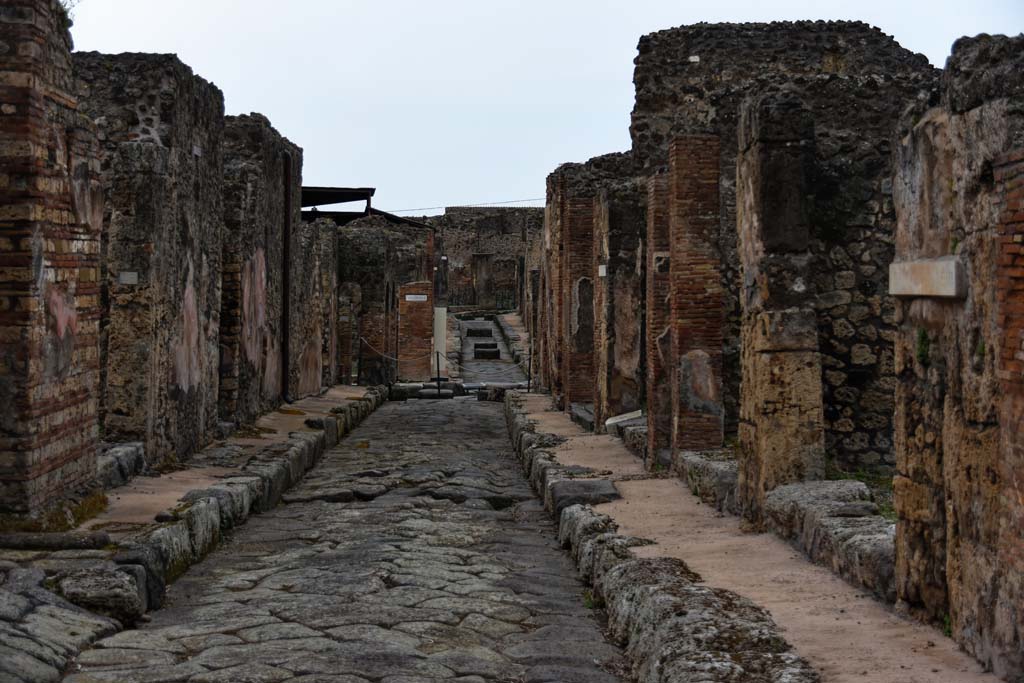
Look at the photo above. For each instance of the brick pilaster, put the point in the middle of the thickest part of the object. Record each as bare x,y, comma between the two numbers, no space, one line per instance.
698,309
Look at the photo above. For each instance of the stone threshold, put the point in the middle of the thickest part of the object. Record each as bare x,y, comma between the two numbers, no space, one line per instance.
809,601
56,600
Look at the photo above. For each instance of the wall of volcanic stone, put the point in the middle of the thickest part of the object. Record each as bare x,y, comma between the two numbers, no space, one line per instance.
262,182
857,81
312,328
960,471
162,133
50,221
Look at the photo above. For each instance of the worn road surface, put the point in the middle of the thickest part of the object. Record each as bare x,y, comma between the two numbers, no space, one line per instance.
414,552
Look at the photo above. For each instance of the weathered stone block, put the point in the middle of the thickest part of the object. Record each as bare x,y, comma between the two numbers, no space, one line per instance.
941,278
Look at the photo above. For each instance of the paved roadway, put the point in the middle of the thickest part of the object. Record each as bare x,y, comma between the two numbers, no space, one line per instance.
414,552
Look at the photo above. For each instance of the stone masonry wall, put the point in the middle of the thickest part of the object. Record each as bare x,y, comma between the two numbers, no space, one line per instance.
50,220
957,424
261,205
693,79
483,246
161,129
619,267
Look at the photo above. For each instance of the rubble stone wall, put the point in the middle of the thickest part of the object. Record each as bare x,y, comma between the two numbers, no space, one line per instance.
957,422
49,265
257,197
161,129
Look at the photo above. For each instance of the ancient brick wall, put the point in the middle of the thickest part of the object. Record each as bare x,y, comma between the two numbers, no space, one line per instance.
483,246
162,131
658,315
698,413
838,67
957,421
262,186
415,330
619,230
49,265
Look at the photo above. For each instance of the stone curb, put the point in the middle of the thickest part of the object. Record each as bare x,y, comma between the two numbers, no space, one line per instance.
43,625
674,629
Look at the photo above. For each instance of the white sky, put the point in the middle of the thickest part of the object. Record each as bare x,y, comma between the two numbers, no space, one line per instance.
444,102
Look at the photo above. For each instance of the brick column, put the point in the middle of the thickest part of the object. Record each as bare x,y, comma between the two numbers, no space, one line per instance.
52,212
1009,175
659,330
415,330
696,292
578,301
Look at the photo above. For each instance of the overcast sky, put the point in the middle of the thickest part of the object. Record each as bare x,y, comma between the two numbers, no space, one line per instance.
438,102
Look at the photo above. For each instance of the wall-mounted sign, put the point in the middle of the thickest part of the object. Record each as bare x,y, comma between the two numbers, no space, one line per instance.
128,278
416,297
602,271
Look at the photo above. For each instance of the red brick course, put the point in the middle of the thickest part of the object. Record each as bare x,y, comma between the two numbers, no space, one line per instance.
577,300
698,305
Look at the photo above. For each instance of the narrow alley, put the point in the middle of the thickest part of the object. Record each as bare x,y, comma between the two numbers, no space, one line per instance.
415,551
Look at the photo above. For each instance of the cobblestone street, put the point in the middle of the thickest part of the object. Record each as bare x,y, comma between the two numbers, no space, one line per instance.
414,552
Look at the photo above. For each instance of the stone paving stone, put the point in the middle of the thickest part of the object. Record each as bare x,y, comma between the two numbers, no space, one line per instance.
414,552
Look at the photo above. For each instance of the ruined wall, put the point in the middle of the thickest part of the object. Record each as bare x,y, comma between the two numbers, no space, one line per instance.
959,540
49,249
349,302
782,437
378,256
262,188
416,331
313,305
330,341
162,131
693,79
698,411
484,246
568,265
619,267
658,317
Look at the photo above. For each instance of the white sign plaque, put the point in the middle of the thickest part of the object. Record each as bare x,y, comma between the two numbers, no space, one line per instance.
415,297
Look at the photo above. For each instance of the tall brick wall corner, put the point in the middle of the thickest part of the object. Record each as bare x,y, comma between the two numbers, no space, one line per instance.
415,331
658,316
578,300
49,251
